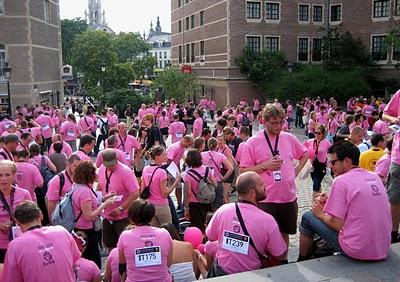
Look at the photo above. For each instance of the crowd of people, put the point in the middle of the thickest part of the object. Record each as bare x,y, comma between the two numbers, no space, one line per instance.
179,192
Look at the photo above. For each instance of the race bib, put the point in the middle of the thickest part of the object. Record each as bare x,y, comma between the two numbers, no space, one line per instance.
7,126
71,133
235,242
148,256
179,135
127,156
45,127
277,176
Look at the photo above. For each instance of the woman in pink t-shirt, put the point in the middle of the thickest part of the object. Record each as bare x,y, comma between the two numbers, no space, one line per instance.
227,152
163,122
12,196
70,131
87,208
311,125
194,210
145,252
155,178
112,265
37,159
318,153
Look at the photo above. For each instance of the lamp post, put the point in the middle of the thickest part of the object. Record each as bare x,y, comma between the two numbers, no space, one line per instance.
7,75
103,72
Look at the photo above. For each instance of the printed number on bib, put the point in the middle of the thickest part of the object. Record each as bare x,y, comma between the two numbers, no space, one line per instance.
148,256
236,242
179,135
71,133
127,156
46,126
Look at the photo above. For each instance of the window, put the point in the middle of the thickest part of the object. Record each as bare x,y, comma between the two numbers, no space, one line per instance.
187,53
317,13
317,49
396,8
187,23
336,13
303,50
272,43
179,26
253,10
381,8
253,43
160,55
303,13
180,59
271,11
192,53
2,8
165,55
192,21
2,60
202,18
202,49
155,54
396,49
46,4
379,50
179,3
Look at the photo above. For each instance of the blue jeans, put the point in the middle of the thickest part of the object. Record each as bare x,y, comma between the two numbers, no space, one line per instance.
310,225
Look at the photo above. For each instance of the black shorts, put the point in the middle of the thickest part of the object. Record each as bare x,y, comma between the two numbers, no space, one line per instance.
164,131
285,215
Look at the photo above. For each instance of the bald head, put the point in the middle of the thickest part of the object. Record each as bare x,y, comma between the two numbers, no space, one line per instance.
247,181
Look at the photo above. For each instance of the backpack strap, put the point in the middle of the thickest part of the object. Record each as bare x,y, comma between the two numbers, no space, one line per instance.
42,164
62,182
4,155
195,175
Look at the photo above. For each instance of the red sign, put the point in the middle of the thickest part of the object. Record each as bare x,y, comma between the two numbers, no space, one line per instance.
186,69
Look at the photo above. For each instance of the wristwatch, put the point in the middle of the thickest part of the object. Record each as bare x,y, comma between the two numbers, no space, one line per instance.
120,208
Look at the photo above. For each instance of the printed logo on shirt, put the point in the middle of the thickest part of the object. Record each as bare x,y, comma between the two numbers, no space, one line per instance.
148,256
45,251
375,190
148,243
236,228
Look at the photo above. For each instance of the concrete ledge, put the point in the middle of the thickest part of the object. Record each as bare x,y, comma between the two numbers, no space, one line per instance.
334,268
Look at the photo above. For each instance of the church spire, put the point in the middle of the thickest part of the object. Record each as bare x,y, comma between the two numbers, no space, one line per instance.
158,26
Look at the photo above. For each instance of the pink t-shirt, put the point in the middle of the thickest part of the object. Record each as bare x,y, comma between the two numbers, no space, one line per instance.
323,148
51,255
163,122
197,127
113,261
214,161
83,194
34,131
65,149
311,126
46,124
69,131
29,177
177,130
113,120
332,126
262,228
87,270
146,239
257,151
120,156
211,248
381,127
127,145
87,125
155,187
123,181
360,199
53,189
82,155
393,109
19,196
322,118
175,153
194,184
240,151
382,166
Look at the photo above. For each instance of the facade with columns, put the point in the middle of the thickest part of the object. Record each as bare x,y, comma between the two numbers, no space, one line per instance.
160,45
30,41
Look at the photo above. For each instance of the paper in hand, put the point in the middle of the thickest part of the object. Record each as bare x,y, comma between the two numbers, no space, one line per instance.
173,170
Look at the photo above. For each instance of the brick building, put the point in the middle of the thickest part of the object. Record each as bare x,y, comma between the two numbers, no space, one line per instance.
30,41
210,34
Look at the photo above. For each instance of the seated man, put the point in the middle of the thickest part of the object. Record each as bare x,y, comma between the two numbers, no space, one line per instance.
355,220
243,231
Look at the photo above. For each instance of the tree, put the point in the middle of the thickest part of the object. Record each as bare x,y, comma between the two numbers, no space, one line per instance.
144,66
70,29
176,84
129,45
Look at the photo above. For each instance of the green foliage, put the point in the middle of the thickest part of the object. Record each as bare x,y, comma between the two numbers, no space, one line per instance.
144,66
317,80
69,30
121,97
176,84
129,45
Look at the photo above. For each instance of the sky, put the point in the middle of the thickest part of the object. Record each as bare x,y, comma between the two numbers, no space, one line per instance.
124,15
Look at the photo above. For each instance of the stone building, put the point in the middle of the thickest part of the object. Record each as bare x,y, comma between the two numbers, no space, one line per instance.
96,17
30,41
209,34
160,43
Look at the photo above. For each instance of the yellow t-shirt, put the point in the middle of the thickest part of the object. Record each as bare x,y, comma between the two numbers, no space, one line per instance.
369,158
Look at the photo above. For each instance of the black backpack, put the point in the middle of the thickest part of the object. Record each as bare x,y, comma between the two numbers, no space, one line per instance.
245,120
104,127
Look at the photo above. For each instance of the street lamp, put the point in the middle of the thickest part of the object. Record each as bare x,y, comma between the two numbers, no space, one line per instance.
7,75
103,67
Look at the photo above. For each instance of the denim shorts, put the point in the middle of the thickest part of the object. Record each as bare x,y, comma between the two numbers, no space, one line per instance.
311,225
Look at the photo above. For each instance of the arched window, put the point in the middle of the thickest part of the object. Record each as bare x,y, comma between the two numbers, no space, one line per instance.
2,58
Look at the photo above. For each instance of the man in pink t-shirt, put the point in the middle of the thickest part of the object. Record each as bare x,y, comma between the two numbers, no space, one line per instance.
391,114
270,153
355,219
235,254
177,129
52,251
127,143
116,179
86,145
47,125
176,150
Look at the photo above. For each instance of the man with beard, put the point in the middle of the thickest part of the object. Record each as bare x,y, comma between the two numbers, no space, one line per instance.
243,231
